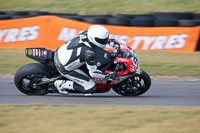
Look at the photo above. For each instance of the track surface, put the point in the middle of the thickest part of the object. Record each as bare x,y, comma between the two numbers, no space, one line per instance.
161,93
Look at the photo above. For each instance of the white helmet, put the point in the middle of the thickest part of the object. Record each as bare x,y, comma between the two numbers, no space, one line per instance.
98,35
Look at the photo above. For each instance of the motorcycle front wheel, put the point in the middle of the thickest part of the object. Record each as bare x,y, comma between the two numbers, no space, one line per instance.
134,86
28,76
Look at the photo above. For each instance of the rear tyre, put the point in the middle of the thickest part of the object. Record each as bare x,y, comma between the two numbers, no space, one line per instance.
134,86
28,76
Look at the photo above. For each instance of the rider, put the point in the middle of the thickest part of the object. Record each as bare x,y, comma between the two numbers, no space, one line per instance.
73,54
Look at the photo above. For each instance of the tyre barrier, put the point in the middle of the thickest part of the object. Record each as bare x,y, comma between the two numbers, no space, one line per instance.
20,16
145,17
142,23
157,19
95,20
196,16
189,23
124,16
118,21
160,19
5,17
19,13
77,18
165,23
37,13
2,13
174,15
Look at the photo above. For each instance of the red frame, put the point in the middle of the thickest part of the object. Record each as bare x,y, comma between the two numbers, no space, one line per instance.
102,86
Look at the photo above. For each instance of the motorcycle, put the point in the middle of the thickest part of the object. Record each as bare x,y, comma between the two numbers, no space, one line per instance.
38,78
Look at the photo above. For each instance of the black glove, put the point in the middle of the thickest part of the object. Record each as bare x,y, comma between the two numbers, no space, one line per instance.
118,46
114,43
114,54
111,76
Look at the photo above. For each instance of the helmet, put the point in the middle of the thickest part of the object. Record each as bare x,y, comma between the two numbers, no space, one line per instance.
98,35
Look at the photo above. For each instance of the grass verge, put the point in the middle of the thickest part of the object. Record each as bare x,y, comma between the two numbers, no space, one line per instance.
97,119
102,6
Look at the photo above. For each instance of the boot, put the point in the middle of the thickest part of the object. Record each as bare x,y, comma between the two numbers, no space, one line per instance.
63,86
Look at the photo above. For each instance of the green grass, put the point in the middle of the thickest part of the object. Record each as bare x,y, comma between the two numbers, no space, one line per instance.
154,63
170,63
12,59
98,119
102,6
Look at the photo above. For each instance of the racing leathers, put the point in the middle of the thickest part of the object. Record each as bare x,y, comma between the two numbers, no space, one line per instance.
70,57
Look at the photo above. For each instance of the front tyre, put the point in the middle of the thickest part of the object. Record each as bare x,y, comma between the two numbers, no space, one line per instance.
134,86
27,77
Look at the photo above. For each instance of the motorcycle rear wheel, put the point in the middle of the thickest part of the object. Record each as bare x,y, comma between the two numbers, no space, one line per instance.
28,76
134,86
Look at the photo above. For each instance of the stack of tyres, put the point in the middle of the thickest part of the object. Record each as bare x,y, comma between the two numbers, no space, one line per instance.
158,19
5,15
181,19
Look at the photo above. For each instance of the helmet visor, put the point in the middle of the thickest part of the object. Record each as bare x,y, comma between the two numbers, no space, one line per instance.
102,41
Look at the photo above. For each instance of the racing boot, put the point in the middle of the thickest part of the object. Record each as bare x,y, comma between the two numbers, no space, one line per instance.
63,86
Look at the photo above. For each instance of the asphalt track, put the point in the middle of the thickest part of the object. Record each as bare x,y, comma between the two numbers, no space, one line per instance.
161,93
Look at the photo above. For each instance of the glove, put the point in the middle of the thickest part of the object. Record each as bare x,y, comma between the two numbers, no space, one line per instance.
114,43
117,46
114,54
111,76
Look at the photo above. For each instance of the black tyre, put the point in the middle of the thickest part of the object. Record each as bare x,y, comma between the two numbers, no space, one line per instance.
142,16
4,17
103,16
2,12
196,16
61,14
142,23
145,17
78,18
173,15
17,13
27,76
118,21
37,13
17,17
95,20
134,86
129,16
165,23
189,23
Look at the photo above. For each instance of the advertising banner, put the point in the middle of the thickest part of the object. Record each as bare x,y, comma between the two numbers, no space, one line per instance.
51,32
